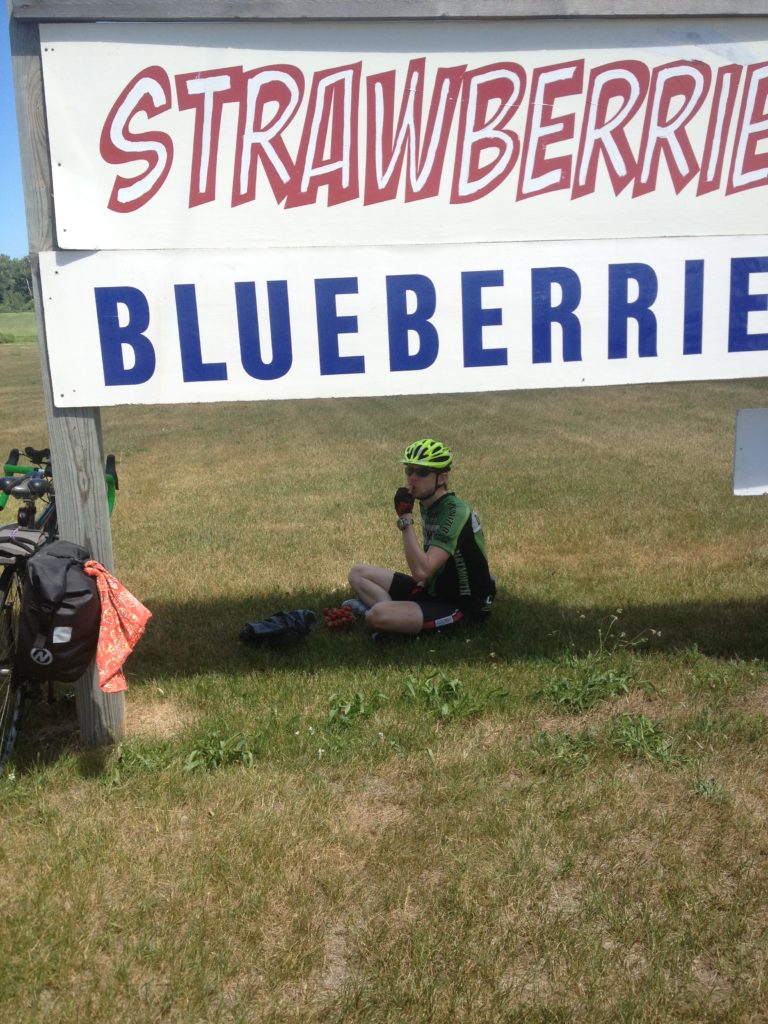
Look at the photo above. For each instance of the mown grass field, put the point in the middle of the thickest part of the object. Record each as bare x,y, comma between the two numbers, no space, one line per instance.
17,327
561,819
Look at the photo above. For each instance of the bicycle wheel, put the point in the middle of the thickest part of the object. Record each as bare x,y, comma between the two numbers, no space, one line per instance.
11,694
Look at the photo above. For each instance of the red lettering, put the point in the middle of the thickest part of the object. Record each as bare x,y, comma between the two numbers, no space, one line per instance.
279,86
614,95
720,116
387,147
664,131
148,93
205,92
540,173
640,126
328,150
749,167
487,150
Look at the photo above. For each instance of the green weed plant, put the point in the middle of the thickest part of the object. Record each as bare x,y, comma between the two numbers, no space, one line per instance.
216,752
562,751
641,737
344,711
582,682
446,697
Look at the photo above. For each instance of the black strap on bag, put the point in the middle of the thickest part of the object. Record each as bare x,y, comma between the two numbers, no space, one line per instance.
48,577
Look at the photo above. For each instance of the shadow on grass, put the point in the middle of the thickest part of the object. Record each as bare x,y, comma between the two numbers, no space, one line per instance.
186,639
50,731
191,638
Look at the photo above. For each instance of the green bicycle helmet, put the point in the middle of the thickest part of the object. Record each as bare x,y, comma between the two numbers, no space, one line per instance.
428,452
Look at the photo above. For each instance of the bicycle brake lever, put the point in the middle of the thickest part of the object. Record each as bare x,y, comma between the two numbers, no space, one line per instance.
111,469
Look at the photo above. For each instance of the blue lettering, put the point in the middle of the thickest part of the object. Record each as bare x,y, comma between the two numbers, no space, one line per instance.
192,365
401,322
113,337
279,326
330,325
475,317
545,314
621,310
693,325
743,303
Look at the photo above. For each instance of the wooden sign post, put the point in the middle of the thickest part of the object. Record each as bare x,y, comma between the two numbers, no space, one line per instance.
74,434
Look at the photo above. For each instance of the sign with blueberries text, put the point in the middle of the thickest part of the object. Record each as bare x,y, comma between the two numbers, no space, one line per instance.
199,326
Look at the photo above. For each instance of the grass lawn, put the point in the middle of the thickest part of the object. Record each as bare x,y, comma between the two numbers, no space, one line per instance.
561,819
17,327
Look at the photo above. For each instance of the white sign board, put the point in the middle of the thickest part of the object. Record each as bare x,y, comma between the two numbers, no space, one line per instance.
750,463
263,135
187,326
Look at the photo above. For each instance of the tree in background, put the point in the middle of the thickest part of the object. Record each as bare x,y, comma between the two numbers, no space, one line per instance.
15,284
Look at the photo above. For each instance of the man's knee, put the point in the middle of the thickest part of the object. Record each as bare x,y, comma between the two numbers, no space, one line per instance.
354,574
375,617
371,573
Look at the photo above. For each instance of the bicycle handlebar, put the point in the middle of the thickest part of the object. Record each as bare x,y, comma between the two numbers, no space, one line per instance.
6,483
40,459
31,487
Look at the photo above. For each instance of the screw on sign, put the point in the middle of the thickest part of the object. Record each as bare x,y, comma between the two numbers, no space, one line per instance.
339,618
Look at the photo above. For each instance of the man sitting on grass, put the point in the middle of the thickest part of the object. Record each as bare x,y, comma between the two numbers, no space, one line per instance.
449,582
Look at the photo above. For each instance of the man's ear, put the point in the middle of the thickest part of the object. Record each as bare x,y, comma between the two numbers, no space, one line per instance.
442,479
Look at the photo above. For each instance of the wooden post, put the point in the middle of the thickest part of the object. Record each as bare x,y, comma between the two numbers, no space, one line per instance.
74,434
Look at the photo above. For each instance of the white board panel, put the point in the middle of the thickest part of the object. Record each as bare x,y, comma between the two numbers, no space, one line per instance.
325,134
750,463
156,327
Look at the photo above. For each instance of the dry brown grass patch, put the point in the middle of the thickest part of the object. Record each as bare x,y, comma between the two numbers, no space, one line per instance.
755,703
157,719
378,806
636,702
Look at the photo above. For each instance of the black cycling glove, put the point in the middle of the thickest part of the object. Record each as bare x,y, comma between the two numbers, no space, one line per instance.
403,501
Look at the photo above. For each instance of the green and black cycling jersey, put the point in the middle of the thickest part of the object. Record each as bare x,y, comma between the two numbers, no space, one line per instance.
465,578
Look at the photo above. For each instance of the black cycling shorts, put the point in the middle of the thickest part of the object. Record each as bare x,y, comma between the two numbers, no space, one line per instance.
437,614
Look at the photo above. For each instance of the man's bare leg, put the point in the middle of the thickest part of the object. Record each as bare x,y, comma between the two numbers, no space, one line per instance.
396,617
372,584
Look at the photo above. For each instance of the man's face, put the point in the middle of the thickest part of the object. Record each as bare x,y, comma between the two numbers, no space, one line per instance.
421,482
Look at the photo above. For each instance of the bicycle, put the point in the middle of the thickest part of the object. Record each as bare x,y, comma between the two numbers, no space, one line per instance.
31,483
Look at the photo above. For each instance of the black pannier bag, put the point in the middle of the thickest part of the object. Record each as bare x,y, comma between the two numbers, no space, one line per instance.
60,615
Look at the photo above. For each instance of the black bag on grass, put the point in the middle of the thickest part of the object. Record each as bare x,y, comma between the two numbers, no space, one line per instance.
60,615
280,628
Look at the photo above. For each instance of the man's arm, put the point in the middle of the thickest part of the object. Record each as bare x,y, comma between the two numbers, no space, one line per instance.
422,564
